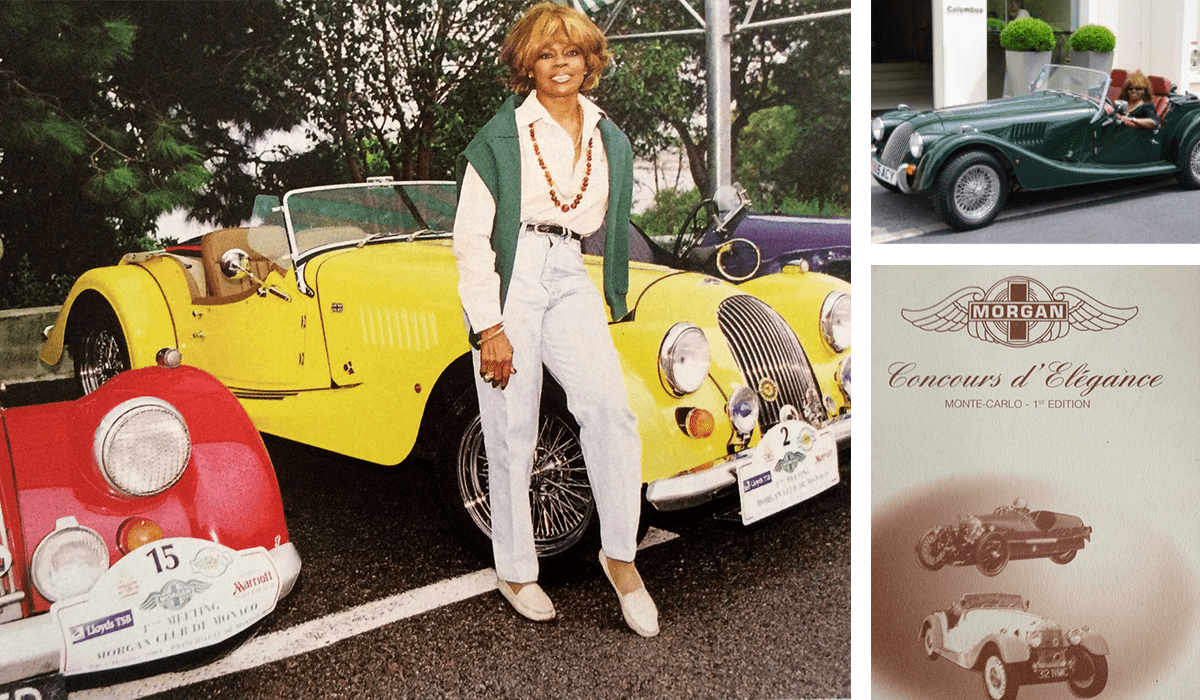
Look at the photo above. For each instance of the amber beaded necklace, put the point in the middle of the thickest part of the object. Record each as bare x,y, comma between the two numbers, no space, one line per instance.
587,172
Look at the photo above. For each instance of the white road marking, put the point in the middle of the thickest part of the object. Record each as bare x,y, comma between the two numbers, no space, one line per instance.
323,632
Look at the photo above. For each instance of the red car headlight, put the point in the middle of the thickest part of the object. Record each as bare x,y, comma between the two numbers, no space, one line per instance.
69,561
142,446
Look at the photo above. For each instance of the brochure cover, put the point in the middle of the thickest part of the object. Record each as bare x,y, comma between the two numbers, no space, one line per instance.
1035,478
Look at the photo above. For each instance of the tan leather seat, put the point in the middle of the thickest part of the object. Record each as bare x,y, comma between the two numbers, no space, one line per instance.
266,246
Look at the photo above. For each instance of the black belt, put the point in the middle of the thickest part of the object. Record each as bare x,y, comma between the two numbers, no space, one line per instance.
554,230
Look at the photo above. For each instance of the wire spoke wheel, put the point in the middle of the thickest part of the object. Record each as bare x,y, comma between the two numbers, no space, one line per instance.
472,475
560,496
930,553
999,683
98,351
991,554
977,192
561,503
970,190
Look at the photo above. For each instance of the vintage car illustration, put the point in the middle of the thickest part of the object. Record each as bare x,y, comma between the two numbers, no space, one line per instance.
1010,532
341,327
741,244
993,633
971,156
137,524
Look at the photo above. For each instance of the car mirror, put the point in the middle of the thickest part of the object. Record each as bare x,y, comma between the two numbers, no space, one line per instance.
235,264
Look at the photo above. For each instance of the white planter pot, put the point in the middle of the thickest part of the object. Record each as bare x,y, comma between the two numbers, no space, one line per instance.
1022,68
1096,60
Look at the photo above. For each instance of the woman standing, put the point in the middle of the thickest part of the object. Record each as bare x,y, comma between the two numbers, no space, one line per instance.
549,169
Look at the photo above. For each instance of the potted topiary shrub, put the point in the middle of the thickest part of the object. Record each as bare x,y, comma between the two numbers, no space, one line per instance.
1027,44
1092,47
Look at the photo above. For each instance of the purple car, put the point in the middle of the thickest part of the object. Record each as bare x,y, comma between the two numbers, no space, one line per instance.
744,245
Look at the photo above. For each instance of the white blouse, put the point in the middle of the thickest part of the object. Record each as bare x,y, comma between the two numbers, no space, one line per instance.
479,284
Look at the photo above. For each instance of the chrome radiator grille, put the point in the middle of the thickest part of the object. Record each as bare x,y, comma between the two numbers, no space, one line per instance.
768,352
897,144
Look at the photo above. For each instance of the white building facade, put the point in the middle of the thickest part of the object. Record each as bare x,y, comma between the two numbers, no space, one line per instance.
950,57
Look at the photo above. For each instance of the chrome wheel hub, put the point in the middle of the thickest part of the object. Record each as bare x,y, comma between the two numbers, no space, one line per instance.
976,192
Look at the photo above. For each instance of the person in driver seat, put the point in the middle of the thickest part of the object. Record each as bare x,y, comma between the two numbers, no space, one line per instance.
1139,112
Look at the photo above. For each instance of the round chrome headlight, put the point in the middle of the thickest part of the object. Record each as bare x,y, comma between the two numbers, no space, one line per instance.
916,145
876,129
683,359
844,376
1075,637
835,321
69,561
743,409
1035,638
142,446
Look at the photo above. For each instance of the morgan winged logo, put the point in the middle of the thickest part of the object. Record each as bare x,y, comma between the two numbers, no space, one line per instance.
1019,312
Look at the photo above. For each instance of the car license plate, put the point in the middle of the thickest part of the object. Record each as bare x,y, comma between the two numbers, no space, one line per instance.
164,599
49,687
792,463
883,172
1047,673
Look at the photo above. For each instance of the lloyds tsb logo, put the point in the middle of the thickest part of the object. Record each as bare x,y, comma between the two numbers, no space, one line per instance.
1019,312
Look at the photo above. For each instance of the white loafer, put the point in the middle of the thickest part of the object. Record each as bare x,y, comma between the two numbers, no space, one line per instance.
638,608
532,601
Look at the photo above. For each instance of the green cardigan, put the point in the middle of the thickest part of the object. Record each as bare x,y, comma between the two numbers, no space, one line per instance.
497,158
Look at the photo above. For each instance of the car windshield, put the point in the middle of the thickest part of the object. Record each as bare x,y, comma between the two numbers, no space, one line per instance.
973,601
327,216
1088,84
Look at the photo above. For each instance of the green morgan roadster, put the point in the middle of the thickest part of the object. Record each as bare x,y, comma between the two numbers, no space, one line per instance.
1063,133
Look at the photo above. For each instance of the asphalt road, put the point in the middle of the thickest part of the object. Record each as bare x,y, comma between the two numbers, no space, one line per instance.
1153,210
758,612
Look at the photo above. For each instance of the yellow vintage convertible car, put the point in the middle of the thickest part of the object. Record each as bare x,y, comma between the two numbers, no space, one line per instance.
337,324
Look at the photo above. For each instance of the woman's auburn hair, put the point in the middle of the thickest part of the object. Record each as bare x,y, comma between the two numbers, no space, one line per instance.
543,23
1137,79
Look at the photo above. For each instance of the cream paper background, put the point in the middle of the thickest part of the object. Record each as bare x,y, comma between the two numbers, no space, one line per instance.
1129,466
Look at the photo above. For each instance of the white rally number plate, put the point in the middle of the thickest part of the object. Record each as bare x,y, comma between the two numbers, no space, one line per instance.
164,599
792,463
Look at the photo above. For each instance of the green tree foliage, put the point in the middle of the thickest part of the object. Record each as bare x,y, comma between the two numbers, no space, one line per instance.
789,156
394,88
112,113
670,209
657,90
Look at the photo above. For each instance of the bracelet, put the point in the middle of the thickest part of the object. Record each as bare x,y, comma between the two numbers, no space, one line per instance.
483,340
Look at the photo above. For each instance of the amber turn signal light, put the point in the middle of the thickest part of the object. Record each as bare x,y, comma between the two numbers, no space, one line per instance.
695,422
137,531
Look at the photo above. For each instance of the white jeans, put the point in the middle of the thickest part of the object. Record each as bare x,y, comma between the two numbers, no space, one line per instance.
555,316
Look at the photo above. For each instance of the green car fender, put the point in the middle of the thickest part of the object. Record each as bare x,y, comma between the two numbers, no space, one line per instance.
136,299
1184,135
941,151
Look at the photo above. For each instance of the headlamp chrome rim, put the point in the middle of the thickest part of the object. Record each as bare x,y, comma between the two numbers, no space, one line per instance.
835,321
916,144
684,358
743,409
844,377
877,129
111,446
87,543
